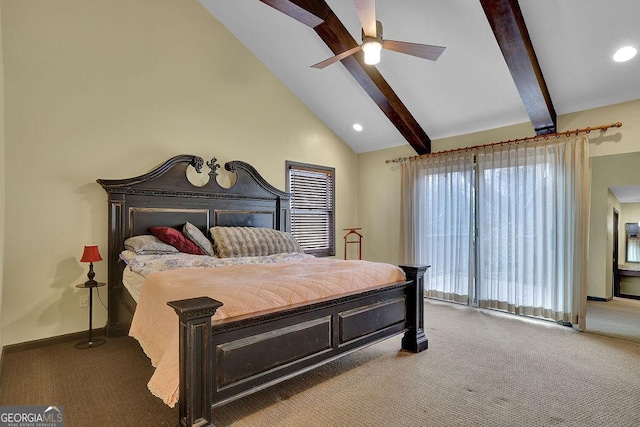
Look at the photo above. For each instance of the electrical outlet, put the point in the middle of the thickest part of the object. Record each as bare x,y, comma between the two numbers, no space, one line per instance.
84,301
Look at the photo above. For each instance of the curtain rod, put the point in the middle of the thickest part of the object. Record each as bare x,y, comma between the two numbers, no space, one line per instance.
510,141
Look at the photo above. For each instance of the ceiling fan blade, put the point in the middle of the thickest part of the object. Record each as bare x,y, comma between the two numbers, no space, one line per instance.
367,14
336,58
425,51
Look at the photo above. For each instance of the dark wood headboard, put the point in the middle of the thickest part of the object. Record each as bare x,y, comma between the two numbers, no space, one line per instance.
165,197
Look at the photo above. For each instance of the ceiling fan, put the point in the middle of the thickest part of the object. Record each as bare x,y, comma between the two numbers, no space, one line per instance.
372,42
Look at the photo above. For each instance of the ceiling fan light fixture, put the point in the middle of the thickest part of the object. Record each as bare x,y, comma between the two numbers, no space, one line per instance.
371,48
624,54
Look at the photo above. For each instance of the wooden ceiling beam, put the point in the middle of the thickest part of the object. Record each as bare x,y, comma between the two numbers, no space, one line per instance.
319,16
309,12
510,30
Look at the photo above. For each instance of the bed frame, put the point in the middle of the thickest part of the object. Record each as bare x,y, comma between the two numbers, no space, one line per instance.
224,360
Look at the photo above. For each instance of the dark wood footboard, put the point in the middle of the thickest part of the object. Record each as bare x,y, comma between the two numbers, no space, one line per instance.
222,361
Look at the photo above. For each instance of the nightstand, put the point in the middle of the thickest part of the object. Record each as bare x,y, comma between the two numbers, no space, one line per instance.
91,342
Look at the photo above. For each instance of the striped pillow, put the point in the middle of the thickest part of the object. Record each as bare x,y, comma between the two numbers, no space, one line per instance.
147,244
252,241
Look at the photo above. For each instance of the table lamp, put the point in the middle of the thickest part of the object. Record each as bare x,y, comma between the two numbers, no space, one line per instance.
91,254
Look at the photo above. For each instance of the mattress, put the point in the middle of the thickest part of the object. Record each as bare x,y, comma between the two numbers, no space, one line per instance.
133,282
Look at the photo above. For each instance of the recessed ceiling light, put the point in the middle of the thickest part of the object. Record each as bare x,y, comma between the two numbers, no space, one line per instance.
624,54
357,127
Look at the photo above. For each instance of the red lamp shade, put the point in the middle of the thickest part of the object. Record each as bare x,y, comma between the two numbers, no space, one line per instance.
91,254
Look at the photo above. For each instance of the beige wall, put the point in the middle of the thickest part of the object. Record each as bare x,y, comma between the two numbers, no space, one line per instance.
2,179
110,89
379,183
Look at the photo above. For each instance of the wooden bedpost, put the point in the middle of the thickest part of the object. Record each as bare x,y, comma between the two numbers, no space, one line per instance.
414,339
196,370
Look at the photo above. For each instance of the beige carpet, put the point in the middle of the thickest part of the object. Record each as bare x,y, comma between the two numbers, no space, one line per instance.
618,318
482,369
102,386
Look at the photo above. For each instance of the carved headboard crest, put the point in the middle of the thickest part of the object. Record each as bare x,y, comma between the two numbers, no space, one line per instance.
171,177
213,166
197,163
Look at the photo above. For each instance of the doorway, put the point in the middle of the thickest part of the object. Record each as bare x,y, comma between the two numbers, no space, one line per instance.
613,187
616,237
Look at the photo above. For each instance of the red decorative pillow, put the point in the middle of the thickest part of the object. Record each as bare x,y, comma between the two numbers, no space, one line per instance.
175,238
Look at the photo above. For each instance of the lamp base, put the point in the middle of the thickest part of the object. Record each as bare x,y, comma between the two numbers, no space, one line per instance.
96,342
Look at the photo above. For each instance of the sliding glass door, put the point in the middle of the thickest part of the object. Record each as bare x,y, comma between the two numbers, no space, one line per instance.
443,221
520,232
502,227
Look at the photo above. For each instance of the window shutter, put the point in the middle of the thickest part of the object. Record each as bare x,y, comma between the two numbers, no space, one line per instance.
312,215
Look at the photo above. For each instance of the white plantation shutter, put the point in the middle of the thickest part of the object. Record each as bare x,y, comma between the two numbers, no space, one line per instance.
312,216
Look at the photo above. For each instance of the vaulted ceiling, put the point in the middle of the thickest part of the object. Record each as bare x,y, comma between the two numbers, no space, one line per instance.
505,62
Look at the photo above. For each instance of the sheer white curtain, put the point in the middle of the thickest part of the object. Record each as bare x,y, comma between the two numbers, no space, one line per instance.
531,203
532,228
437,217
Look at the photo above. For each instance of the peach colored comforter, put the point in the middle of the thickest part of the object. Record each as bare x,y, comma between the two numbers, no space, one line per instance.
242,289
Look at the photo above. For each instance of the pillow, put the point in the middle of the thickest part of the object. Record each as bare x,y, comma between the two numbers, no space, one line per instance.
126,256
252,241
148,245
173,237
194,234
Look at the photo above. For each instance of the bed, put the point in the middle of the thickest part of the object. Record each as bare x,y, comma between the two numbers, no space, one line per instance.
220,360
